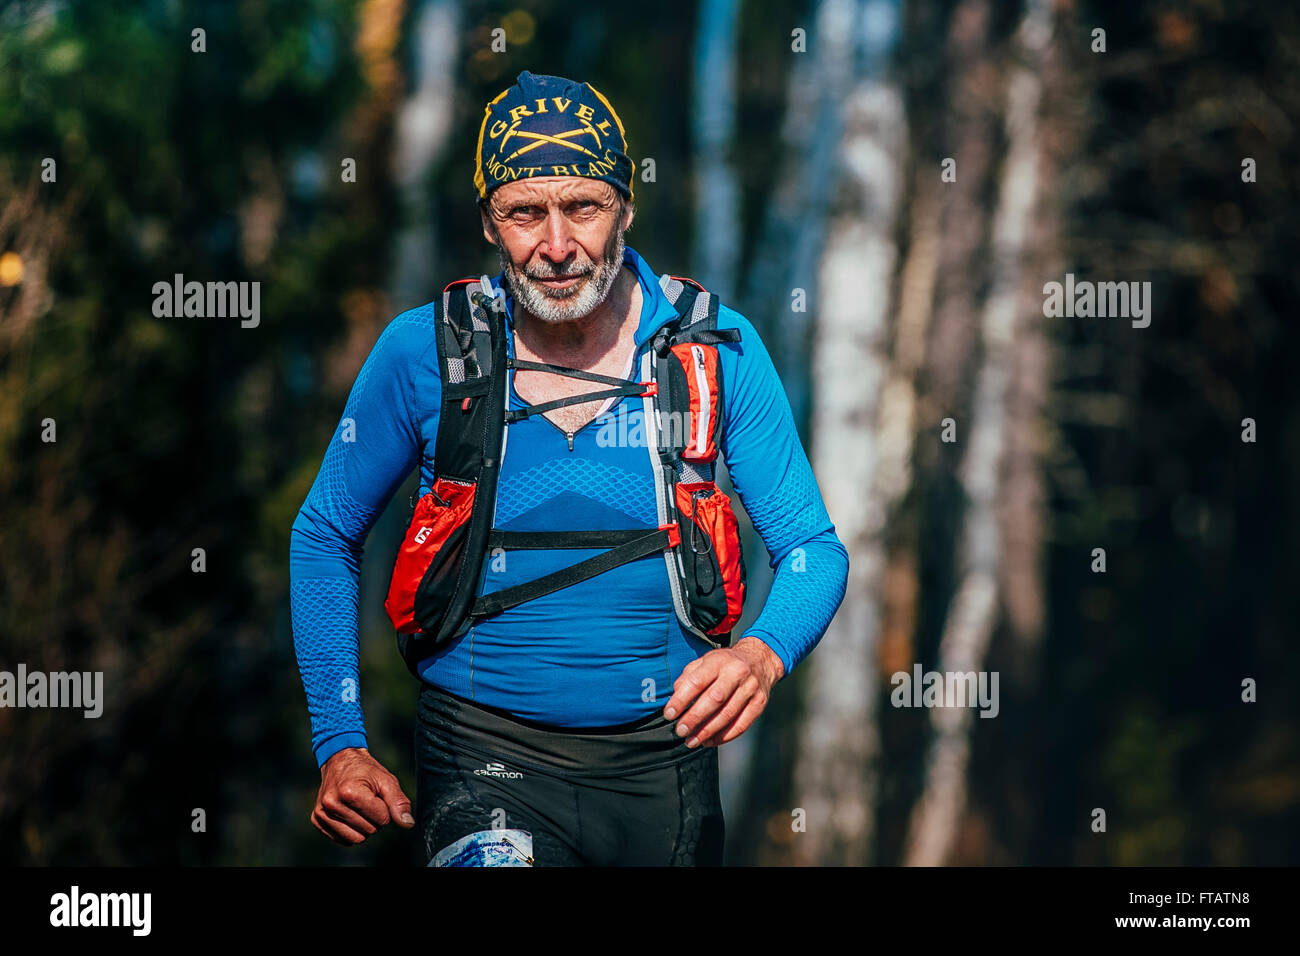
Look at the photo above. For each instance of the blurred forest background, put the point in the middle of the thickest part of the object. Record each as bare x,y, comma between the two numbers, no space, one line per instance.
777,169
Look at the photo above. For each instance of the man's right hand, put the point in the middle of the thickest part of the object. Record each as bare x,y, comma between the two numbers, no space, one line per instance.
357,797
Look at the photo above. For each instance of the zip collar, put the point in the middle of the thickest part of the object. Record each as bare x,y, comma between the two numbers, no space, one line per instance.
656,310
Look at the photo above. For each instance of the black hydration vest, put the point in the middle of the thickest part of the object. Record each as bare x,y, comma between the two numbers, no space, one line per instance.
432,597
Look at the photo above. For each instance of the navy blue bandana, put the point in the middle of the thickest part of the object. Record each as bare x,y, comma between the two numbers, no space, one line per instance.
550,126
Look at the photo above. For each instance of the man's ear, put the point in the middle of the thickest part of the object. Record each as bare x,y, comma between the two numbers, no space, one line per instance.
487,228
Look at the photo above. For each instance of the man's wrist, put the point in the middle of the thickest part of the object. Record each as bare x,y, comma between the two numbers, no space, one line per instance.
771,661
344,741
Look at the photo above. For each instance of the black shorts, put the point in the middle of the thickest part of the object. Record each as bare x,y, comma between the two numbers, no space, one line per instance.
495,790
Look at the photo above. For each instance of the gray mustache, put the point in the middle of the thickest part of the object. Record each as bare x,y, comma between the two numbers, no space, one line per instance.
559,275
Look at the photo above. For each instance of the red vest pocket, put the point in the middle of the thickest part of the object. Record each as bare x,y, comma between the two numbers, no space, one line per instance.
439,516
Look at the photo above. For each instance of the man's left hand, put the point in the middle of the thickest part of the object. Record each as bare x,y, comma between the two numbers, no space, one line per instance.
730,687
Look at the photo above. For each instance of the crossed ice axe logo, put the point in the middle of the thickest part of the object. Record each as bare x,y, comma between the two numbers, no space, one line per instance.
561,139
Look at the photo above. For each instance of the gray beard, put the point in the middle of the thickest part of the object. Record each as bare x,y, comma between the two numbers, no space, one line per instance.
565,305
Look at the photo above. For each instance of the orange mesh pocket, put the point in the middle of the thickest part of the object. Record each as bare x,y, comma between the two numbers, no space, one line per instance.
700,363
711,556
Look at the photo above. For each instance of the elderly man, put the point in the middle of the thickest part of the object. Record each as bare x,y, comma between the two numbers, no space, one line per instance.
571,558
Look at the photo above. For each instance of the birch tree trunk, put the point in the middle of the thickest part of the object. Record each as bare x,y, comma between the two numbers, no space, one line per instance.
1024,513
969,127
713,113
420,138
795,225
973,611
838,743
899,586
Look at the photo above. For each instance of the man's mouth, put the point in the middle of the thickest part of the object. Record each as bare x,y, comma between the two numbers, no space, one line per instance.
560,282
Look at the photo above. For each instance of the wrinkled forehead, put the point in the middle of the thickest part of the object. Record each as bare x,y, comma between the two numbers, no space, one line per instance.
543,190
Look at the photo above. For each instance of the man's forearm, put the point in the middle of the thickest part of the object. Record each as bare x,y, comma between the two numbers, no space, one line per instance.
324,613
806,591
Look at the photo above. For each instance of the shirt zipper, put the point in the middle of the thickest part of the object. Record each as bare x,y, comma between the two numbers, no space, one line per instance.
569,434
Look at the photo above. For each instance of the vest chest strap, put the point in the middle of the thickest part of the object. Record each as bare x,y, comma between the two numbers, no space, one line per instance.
638,546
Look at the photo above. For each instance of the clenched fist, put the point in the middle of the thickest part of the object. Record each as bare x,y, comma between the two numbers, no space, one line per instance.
357,797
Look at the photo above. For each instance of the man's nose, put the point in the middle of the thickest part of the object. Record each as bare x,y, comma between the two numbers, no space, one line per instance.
556,243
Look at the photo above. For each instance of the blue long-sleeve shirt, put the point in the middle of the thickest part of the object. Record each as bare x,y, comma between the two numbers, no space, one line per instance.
606,650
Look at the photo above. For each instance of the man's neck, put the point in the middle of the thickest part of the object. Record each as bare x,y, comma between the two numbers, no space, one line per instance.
581,342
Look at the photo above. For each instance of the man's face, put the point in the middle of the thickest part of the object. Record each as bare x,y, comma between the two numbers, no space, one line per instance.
560,239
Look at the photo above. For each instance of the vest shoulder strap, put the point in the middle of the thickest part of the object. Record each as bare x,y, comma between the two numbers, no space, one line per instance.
471,341
697,315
